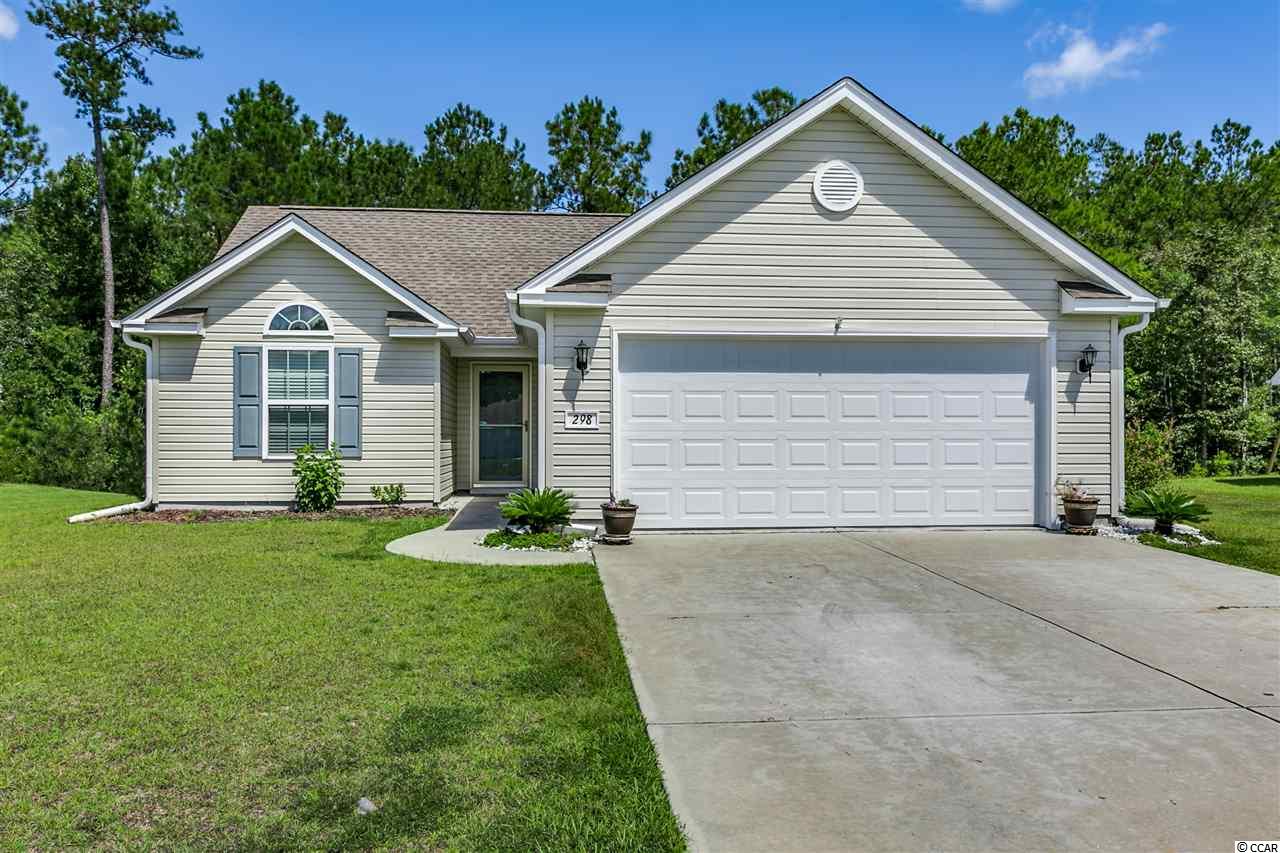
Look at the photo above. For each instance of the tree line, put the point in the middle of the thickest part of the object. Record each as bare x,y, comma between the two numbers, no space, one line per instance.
99,234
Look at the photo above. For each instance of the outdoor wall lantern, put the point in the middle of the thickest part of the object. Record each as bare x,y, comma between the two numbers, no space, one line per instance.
1087,357
582,357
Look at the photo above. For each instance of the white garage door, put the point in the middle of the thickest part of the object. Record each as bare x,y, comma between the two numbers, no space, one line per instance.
732,432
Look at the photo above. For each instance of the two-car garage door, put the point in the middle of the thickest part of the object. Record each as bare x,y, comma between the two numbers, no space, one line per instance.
737,432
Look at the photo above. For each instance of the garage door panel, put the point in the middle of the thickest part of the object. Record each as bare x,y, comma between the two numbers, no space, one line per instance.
736,432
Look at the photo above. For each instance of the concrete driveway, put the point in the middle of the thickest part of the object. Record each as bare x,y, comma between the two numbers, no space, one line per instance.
953,690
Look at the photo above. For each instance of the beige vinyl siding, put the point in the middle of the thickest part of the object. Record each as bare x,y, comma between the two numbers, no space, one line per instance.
448,423
1084,407
193,402
463,427
580,460
756,252
758,247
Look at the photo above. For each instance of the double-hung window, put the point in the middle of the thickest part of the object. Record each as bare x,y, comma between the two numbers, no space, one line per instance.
299,402
299,399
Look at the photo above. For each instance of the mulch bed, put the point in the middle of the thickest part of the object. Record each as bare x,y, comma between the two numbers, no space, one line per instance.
201,516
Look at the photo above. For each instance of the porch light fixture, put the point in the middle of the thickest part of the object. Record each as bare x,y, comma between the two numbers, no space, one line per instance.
1087,357
582,357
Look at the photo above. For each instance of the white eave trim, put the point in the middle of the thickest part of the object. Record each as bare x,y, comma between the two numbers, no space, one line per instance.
895,127
287,226
1108,307
161,328
542,299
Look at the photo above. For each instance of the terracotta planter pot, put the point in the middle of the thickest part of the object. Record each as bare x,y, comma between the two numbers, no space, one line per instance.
618,520
1080,512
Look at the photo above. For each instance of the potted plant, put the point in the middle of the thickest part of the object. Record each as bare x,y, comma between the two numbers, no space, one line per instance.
1167,506
1079,507
619,518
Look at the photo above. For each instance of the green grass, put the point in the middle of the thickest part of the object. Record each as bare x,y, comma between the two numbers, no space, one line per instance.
1244,517
241,685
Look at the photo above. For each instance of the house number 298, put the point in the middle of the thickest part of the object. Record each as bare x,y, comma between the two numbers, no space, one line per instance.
582,420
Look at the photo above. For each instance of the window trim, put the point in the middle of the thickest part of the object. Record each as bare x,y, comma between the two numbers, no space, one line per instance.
328,402
268,332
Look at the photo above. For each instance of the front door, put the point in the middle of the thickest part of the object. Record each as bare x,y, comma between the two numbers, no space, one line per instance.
502,426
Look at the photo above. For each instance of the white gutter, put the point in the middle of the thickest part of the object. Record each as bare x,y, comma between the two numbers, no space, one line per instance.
544,384
149,408
1118,487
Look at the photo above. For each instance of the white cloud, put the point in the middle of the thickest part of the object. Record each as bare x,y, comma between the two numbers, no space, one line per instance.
1083,62
8,23
990,7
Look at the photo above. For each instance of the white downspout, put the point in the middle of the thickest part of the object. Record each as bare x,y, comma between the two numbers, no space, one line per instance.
1118,486
544,385
149,480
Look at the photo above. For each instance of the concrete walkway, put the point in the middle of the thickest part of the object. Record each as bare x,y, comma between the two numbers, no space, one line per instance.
455,542
953,690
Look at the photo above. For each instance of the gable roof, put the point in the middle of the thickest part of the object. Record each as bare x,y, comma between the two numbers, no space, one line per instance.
462,262
884,120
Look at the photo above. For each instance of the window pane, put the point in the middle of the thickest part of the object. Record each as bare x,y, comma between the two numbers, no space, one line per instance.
298,374
298,318
290,427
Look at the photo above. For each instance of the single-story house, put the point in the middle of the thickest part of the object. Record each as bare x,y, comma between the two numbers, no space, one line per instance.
839,323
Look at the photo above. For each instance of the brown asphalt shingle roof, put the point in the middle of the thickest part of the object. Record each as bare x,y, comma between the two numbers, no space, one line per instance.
460,261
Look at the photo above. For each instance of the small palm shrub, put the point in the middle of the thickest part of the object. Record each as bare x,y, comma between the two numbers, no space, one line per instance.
391,494
540,509
1167,506
317,478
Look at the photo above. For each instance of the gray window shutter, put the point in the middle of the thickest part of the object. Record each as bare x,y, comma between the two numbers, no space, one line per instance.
246,403
346,401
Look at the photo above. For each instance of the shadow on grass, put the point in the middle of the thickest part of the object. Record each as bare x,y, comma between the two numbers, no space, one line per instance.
1249,481
415,799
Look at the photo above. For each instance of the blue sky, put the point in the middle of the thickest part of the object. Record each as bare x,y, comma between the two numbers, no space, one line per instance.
1125,68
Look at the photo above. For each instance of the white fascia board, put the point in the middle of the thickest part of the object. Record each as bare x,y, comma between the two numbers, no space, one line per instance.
895,127
543,299
264,240
162,328
1106,307
417,332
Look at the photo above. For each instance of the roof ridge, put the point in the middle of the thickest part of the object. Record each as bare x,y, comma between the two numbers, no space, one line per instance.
443,210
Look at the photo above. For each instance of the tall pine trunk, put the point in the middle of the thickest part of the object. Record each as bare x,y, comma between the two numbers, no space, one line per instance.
108,267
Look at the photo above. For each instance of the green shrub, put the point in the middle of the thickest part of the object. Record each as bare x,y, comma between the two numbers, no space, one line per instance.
1168,506
1148,456
317,478
64,446
540,509
1222,464
391,494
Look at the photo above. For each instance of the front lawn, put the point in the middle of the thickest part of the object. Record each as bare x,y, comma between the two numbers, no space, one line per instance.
243,684
1245,519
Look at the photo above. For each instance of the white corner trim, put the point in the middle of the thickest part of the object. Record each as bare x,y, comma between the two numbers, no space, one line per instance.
895,127
288,226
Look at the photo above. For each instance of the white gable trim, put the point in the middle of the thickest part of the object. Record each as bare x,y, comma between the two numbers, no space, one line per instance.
895,127
286,227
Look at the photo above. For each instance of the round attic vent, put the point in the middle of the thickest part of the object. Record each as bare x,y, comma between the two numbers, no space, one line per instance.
837,186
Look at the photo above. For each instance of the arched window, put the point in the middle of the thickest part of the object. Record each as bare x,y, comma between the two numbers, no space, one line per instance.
298,318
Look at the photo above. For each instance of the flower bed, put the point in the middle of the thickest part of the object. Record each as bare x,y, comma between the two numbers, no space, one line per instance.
509,540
